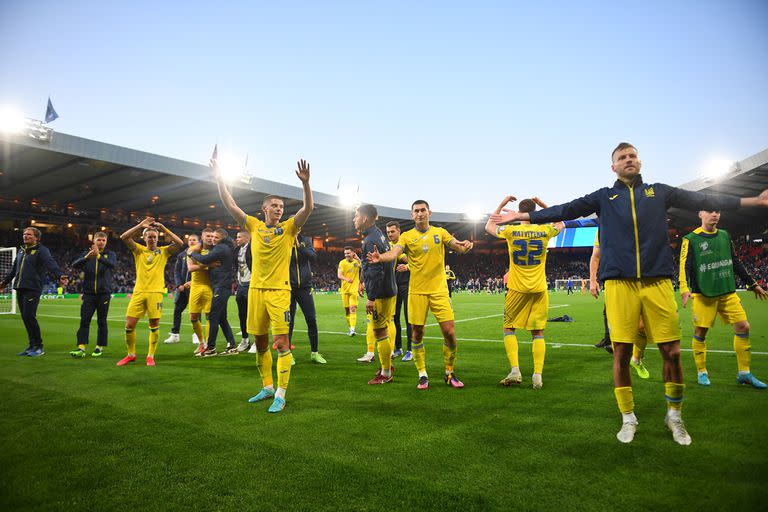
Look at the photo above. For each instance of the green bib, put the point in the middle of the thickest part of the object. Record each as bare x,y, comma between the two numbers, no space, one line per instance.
712,262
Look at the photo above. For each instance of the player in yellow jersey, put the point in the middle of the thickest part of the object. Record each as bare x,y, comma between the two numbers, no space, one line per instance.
349,274
148,291
428,291
527,301
201,294
269,294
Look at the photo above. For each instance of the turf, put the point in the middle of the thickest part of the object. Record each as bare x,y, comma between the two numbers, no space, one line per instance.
81,434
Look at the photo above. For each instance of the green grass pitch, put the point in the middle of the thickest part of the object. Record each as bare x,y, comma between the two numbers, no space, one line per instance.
86,435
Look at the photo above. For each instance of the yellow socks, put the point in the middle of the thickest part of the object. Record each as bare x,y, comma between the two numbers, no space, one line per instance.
624,399
81,346
700,353
197,327
352,319
284,361
264,360
130,341
673,392
638,348
385,352
420,357
511,348
449,358
539,351
370,339
391,332
742,348
154,336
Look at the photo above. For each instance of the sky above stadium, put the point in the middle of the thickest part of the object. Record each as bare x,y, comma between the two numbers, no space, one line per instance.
459,103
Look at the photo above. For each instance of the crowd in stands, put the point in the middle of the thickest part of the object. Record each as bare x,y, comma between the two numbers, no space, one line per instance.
474,272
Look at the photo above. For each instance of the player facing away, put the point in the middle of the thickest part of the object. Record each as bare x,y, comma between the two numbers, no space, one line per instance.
147,298
527,300
424,245
200,293
707,267
380,288
96,265
636,267
349,274
269,296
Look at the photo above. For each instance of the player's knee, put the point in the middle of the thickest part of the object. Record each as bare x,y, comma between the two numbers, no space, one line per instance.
741,327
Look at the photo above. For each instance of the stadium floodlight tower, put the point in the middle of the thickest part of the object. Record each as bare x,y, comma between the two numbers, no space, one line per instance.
13,122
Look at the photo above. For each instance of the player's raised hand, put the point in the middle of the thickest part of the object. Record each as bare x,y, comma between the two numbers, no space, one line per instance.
539,202
686,296
303,171
374,256
147,222
466,245
760,293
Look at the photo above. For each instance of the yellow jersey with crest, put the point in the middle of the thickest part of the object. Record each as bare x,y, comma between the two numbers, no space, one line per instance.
271,252
200,277
426,259
527,245
350,270
150,268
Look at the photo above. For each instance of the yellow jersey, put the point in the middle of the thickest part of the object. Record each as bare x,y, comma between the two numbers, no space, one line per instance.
200,277
426,259
527,245
350,270
150,268
271,253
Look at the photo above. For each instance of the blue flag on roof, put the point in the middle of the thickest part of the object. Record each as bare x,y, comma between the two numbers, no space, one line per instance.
50,112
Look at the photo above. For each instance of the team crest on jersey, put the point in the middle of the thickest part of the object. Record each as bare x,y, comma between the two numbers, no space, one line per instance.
704,246
649,192
425,248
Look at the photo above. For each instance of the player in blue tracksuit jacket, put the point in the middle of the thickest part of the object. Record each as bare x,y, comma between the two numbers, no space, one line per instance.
221,261
32,262
636,267
96,264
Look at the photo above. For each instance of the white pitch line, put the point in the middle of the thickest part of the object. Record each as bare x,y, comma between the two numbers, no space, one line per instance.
551,344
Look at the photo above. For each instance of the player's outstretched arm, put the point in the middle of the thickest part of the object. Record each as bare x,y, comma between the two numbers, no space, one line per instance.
461,246
226,195
303,174
761,200
127,237
384,257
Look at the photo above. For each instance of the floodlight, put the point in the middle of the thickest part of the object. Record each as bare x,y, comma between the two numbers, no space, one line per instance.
231,167
716,167
11,120
348,197
474,213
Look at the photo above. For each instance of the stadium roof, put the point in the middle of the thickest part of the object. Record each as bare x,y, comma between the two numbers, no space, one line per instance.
746,178
86,175
93,175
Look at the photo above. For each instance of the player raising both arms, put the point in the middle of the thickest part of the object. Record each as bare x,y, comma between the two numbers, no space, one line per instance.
269,295
636,268
148,291
425,247
527,301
